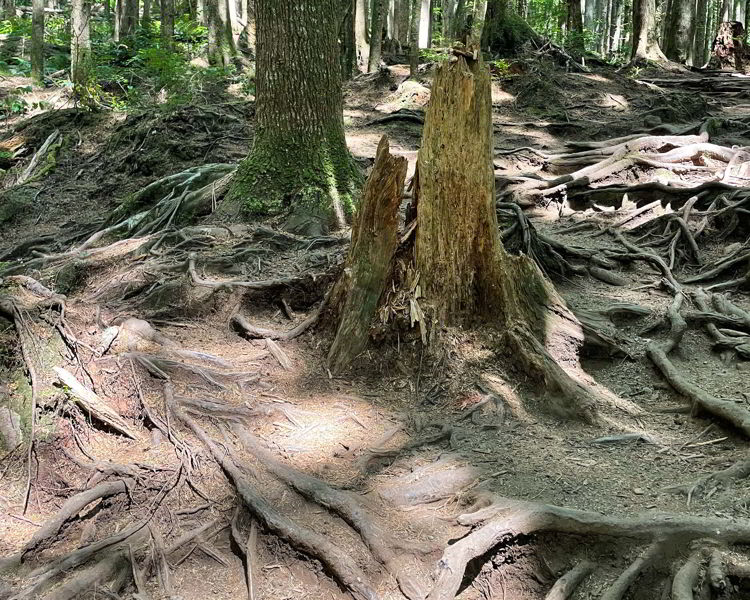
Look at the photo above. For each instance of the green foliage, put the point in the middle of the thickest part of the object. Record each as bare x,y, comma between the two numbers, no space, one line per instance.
15,104
431,55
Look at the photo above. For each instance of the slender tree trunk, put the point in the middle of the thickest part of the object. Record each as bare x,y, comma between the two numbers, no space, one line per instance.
726,10
414,38
425,22
449,8
376,35
129,18
117,30
477,25
697,54
615,17
299,162
348,53
360,34
391,26
80,43
107,12
167,23
146,15
403,14
589,15
37,41
234,26
679,26
200,11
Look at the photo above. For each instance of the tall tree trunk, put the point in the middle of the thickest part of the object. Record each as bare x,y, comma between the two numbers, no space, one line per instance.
146,15
478,18
726,10
645,32
615,18
234,25
167,24
575,25
360,34
403,16
425,23
37,41
679,26
414,37
589,15
80,43
449,9
459,19
129,18
299,161
348,53
391,26
504,30
376,35
220,40
697,54
117,30
107,12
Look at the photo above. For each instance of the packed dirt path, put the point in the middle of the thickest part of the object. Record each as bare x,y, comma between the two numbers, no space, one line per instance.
184,329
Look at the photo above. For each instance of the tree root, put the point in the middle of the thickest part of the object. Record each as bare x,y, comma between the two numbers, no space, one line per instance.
346,571
567,584
504,519
343,503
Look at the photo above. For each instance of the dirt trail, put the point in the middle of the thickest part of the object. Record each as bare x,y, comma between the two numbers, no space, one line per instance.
413,440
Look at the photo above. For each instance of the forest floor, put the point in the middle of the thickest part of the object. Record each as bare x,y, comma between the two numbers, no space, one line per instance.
373,431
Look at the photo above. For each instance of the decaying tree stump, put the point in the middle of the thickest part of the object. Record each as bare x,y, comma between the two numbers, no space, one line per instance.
728,48
458,272
374,242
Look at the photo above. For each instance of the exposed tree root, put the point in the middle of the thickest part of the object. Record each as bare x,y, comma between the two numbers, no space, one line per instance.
567,584
346,571
504,519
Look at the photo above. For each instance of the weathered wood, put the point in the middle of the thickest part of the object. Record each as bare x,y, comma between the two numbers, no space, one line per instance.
728,49
93,405
374,243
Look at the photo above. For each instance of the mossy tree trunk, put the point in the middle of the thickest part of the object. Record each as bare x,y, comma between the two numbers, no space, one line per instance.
574,24
221,47
504,30
80,43
37,41
646,32
299,163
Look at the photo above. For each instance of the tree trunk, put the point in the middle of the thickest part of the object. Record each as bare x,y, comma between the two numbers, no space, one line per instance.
129,19
615,19
679,25
505,31
376,35
37,41
425,22
357,293
414,38
221,47
478,18
167,24
449,9
391,25
299,162
9,9
645,32
589,15
575,25
728,47
403,15
459,20
146,15
80,43
348,53
455,271
360,34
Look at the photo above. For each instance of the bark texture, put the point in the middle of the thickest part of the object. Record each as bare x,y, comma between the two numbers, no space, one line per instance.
221,47
680,20
376,35
80,42
414,38
361,38
374,243
728,47
37,40
167,23
299,162
504,30
645,32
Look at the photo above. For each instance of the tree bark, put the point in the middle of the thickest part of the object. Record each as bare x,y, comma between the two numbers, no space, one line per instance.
9,9
37,41
615,22
425,22
645,32
414,38
478,20
146,15
403,15
129,19
679,25
360,34
167,24
80,43
376,35
357,293
348,53
449,9
575,25
299,162
221,47
504,30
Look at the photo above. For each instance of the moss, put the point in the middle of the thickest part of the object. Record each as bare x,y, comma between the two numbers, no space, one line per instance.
50,161
14,202
314,177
